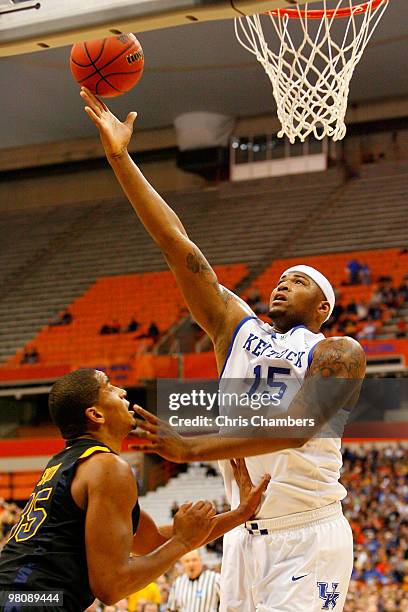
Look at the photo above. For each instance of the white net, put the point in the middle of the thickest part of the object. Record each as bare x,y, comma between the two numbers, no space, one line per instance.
313,63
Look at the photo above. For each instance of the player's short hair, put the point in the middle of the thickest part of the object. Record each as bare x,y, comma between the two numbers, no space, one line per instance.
69,397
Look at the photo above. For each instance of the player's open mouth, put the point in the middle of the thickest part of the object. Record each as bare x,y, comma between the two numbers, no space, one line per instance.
279,298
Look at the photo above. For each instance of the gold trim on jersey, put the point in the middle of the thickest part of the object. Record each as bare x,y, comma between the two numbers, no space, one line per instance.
94,449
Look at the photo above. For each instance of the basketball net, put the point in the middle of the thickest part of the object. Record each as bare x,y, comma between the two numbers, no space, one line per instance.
311,79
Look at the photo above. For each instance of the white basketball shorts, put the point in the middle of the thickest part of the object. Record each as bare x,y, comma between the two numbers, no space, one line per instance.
299,563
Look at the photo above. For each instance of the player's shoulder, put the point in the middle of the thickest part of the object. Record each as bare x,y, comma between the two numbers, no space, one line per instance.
106,466
339,355
340,343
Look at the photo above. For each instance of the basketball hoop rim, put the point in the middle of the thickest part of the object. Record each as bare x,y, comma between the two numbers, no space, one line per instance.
330,14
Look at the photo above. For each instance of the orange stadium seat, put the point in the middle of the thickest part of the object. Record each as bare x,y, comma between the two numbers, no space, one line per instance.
382,262
152,296
200,366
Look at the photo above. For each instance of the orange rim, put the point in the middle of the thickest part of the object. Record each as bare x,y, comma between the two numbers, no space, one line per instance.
331,13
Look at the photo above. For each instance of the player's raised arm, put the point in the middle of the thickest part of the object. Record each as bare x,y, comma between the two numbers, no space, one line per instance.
215,309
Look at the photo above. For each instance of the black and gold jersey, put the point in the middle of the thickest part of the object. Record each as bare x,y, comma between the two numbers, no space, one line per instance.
45,550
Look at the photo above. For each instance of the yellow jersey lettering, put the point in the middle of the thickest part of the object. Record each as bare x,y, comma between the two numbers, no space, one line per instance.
32,517
48,474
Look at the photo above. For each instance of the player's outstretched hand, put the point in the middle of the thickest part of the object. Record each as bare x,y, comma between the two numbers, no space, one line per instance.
192,524
250,496
115,135
161,438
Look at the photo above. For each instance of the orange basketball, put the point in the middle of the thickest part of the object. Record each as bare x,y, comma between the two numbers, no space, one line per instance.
108,67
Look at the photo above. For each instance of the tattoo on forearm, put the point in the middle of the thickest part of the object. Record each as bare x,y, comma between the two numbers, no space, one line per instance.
197,264
340,358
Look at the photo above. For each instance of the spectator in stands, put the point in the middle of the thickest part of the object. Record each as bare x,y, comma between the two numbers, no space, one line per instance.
376,506
66,317
349,328
164,594
211,471
115,327
150,594
353,272
110,328
151,607
253,298
374,312
9,515
338,311
385,278
164,582
365,274
363,320
368,332
153,332
63,318
362,310
132,326
401,328
35,356
195,585
389,295
403,289
216,546
351,308
30,355
256,303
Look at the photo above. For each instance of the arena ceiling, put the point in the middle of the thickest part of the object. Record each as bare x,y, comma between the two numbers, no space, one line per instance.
188,68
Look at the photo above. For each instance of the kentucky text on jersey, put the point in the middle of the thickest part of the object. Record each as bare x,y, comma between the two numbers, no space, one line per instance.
258,347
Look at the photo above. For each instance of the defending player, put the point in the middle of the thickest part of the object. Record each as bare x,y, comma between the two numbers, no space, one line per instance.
83,521
297,554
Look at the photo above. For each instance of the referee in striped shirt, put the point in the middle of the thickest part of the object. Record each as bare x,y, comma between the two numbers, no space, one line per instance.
197,590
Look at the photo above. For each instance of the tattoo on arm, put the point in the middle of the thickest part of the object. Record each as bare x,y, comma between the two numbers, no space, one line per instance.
340,357
197,264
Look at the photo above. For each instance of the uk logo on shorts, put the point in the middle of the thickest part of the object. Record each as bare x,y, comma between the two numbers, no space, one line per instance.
329,597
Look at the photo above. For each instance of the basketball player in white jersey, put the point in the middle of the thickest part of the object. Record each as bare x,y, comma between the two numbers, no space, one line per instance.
296,554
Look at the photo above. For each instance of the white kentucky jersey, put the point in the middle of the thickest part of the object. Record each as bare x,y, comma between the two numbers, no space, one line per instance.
304,478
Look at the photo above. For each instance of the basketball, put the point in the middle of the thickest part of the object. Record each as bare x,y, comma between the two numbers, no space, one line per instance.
108,67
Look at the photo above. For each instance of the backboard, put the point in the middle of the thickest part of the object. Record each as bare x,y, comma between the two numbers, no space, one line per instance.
33,25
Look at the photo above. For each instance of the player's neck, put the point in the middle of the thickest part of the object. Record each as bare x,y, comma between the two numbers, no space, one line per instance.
106,438
110,440
283,329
